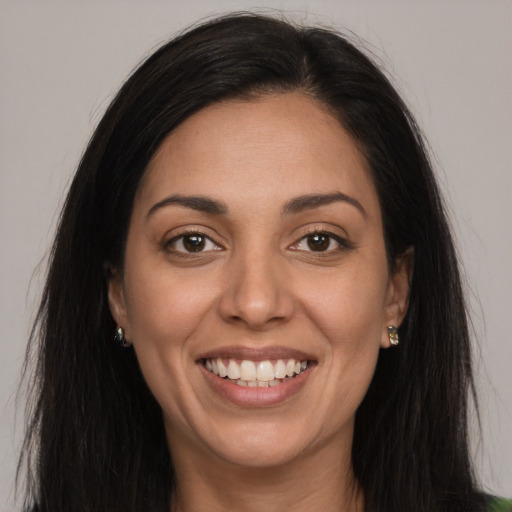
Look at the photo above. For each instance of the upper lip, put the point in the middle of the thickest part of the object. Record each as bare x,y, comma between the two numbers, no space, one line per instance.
256,353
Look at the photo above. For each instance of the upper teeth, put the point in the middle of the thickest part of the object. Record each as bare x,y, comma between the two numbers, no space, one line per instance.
247,370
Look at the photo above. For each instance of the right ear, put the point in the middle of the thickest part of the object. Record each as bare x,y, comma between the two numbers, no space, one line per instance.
117,301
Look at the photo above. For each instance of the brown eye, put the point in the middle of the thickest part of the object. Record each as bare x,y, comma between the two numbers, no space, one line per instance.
191,243
319,242
322,242
194,243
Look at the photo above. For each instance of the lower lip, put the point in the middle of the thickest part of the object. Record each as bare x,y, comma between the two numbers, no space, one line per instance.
256,397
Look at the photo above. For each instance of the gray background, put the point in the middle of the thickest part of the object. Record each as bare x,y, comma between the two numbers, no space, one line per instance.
61,62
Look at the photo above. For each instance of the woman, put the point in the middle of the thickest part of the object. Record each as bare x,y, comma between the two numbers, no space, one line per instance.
256,223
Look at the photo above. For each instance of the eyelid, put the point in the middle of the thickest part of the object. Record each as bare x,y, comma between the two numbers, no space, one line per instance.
169,240
343,242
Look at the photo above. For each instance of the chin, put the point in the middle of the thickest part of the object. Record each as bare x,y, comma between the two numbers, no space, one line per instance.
248,442
260,453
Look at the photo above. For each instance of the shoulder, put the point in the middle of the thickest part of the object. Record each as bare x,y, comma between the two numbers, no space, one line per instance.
498,504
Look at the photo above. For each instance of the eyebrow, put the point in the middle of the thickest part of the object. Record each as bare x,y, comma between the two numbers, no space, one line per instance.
311,201
294,206
199,203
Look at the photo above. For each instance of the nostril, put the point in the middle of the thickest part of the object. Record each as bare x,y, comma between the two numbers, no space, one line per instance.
254,297
257,322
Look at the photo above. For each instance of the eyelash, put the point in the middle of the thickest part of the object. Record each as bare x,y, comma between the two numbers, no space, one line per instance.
189,234
343,244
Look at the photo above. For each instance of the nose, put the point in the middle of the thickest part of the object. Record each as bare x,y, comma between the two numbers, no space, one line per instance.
256,293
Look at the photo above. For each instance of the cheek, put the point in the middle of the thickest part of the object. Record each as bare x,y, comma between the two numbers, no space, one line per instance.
164,309
166,306
348,311
164,313
348,306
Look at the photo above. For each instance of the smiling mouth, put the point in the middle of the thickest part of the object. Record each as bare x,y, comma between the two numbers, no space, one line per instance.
260,374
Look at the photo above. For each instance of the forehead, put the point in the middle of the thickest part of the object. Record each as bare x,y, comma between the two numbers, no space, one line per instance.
244,150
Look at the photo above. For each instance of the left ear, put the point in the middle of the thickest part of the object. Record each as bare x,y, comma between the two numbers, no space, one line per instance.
397,300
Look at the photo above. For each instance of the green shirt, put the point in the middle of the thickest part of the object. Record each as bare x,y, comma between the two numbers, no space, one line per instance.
499,505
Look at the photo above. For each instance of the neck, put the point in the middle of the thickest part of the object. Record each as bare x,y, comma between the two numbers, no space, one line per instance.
315,482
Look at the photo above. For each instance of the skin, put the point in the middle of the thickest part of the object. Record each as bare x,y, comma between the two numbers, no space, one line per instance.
258,283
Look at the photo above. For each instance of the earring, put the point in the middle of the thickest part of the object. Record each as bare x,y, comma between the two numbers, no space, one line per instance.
393,335
120,339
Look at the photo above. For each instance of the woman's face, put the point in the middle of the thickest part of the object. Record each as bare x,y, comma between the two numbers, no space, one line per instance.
256,248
